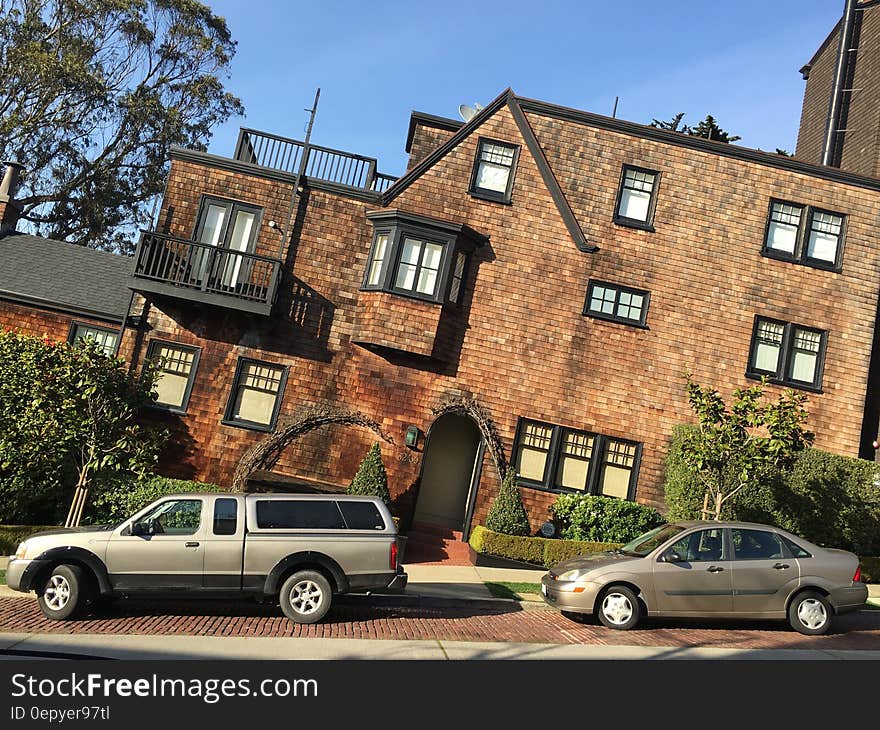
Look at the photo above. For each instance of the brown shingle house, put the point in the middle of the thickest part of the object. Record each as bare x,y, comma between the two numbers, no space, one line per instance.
531,291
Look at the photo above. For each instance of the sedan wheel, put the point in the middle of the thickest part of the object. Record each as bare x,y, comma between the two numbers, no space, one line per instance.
810,613
619,608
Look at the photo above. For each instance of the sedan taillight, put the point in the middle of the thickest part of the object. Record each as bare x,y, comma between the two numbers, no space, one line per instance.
393,556
858,576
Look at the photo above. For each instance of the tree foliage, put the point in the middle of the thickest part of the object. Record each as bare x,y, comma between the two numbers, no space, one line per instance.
67,415
734,443
708,128
93,93
507,514
371,478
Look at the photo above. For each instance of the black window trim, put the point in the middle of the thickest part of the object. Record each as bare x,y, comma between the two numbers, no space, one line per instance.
231,205
597,460
152,346
454,240
648,223
493,195
800,247
641,323
786,348
76,324
228,420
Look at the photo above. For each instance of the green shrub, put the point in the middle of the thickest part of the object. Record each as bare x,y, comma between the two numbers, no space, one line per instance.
535,550
11,535
828,499
371,478
870,569
606,519
121,496
507,514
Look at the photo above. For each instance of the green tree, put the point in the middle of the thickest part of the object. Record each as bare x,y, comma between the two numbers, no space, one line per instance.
507,514
371,478
68,414
735,443
92,95
707,129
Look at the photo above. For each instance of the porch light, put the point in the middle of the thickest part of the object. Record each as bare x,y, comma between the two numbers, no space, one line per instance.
412,436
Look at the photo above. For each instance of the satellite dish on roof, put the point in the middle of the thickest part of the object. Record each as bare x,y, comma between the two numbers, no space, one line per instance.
467,112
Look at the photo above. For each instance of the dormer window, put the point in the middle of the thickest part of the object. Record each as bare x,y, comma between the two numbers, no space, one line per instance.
636,198
418,257
494,167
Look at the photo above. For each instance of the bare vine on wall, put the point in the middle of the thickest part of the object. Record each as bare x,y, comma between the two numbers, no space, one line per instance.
468,406
264,454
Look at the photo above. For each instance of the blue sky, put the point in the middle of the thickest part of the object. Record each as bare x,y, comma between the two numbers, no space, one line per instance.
376,62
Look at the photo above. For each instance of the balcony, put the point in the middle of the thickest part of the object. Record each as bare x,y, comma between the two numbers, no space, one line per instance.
322,163
199,272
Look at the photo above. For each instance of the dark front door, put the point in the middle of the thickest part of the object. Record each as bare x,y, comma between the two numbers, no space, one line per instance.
448,471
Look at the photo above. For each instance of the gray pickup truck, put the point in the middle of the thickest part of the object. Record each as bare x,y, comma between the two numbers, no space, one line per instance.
297,549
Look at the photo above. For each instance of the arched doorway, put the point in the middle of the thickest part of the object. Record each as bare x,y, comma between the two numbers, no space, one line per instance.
450,473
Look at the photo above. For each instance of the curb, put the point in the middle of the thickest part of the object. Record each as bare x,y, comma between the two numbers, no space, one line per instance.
420,601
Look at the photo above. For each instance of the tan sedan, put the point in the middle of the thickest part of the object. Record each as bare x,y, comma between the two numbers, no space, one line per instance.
711,569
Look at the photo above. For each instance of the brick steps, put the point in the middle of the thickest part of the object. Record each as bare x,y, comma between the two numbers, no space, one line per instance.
435,544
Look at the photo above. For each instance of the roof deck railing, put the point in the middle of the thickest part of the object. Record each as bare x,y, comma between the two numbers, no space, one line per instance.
322,163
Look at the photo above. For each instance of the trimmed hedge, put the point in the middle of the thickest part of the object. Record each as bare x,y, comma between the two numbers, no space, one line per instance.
121,497
594,517
535,550
11,535
828,499
507,514
870,569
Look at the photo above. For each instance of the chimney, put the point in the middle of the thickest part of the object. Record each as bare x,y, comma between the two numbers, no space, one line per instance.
10,208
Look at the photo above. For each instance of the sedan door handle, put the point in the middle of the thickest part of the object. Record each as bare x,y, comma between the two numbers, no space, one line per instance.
715,568
192,544
781,566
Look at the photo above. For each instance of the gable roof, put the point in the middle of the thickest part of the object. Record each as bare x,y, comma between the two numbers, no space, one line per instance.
64,276
509,98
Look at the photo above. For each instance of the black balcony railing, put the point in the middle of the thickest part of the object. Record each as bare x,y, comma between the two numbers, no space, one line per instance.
322,163
206,273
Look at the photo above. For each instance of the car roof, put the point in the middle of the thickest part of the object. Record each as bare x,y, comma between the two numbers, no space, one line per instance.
726,523
277,495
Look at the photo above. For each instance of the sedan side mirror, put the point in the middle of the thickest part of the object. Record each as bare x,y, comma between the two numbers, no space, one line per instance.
139,529
670,556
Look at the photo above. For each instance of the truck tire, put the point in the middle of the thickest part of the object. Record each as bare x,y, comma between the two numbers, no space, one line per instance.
306,596
63,592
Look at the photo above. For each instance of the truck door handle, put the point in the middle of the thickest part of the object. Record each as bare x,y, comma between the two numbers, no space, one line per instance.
781,566
715,568
192,544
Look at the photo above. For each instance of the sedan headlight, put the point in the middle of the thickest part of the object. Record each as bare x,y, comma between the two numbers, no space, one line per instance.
22,549
569,575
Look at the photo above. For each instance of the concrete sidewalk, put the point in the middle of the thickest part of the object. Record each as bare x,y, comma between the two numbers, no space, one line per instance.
60,646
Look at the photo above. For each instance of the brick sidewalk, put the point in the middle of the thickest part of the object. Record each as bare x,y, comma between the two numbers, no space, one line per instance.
360,619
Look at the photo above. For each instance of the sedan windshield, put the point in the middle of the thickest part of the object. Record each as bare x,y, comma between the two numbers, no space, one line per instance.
644,544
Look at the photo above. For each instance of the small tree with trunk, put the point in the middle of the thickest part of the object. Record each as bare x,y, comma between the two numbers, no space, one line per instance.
371,478
735,442
99,411
507,514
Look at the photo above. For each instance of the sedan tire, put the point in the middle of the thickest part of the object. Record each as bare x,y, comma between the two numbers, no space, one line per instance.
306,597
810,613
619,608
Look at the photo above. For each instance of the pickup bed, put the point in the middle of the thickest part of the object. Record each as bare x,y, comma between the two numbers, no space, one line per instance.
297,549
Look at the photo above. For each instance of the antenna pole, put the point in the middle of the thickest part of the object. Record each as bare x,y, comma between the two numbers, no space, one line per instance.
303,162
614,112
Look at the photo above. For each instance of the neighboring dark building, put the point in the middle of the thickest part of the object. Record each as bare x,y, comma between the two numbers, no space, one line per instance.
843,95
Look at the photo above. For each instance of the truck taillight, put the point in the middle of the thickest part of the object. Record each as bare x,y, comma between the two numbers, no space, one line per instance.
858,576
393,560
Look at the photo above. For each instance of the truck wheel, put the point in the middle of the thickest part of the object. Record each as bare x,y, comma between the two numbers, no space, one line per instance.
306,597
62,592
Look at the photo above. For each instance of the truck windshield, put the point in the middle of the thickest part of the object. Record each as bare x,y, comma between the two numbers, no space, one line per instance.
651,540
